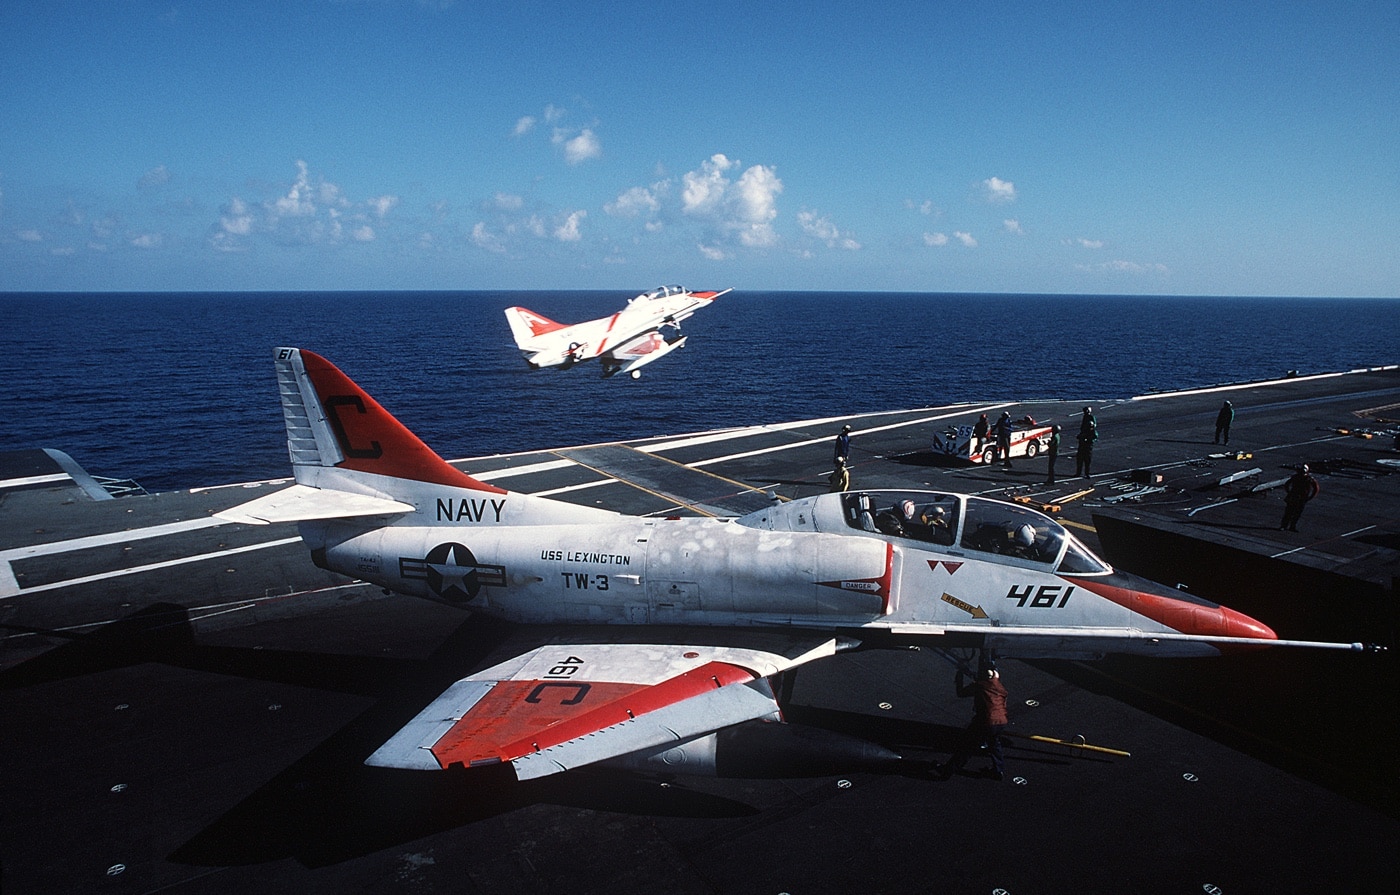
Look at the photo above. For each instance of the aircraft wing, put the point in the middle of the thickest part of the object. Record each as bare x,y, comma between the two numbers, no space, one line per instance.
644,349
302,503
562,706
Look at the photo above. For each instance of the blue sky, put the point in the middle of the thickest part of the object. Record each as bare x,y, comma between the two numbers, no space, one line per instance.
1212,148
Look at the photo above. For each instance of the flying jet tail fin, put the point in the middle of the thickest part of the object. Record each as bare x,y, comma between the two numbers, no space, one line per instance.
526,326
333,424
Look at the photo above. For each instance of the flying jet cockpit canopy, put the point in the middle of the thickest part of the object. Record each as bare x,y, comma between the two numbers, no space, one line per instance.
660,292
956,523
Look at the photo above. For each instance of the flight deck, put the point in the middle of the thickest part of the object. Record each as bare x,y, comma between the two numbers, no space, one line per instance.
187,704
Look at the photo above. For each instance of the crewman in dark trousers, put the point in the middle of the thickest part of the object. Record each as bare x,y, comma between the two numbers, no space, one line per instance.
1088,434
1223,419
989,719
1300,489
1052,450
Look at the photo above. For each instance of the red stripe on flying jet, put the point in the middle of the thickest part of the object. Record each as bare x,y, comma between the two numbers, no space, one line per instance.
612,321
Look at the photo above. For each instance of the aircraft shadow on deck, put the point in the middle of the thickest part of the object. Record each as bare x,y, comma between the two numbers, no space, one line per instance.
329,806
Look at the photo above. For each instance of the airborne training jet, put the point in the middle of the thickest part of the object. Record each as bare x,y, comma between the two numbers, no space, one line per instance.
623,342
715,607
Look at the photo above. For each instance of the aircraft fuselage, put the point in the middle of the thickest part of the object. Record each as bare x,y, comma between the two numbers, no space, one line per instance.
797,564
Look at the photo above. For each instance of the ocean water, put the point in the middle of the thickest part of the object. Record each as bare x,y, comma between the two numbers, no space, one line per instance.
177,390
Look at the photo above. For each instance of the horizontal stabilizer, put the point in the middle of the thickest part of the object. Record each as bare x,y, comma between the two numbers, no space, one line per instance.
303,503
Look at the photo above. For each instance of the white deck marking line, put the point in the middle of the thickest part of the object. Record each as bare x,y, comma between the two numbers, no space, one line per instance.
195,616
580,487
116,537
854,432
150,567
35,480
728,434
546,466
1234,387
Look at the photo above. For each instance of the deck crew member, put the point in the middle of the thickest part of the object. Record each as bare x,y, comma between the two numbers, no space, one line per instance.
843,445
1223,419
1003,435
1088,434
1300,489
989,719
979,434
840,478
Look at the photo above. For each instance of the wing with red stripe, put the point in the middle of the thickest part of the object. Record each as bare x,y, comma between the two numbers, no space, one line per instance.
563,706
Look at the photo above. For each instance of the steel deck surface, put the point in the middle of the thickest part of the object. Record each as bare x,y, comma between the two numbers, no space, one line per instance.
187,705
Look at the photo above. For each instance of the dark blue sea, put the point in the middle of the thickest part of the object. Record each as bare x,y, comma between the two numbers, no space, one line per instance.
177,390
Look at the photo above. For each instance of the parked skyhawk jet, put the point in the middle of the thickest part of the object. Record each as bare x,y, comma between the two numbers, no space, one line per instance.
708,610
648,329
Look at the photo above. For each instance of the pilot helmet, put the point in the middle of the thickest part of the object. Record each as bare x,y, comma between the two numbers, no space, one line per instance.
907,508
1025,535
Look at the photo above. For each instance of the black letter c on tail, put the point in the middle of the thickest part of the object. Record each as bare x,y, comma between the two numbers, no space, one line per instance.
332,405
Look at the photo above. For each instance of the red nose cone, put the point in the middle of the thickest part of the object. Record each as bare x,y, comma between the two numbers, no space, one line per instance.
1197,618
1237,624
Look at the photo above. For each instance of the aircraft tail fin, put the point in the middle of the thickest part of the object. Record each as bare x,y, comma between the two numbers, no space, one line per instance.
333,424
526,326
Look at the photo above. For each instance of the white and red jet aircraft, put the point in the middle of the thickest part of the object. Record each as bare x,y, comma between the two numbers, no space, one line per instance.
722,605
623,343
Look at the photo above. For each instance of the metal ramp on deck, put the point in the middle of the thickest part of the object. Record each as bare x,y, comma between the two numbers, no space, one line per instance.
703,492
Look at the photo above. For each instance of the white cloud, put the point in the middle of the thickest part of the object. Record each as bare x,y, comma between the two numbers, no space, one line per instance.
756,206
966,239
582,148
297,202
742,209
1128,267
1013,226
714,253
236,220
553,113
313,211
147,241
484,238
638,200
822,228
508,202
382,205
705,187
999,191
925,207
1089,243
568,231
523,126
29,236
935,239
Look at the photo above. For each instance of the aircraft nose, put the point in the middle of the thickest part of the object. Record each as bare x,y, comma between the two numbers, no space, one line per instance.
1210,620
1184,614
1236,624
